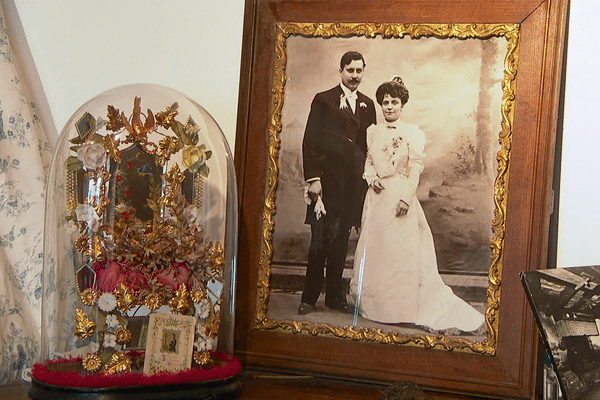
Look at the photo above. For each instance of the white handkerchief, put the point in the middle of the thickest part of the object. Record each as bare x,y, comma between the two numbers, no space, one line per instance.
320,208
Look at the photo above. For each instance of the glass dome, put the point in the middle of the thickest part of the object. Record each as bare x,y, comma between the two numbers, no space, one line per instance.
140,242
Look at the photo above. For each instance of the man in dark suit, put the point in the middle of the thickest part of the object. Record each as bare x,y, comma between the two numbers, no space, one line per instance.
333,151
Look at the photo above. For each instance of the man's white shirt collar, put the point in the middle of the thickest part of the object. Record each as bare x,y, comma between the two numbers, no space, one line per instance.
348,93
351,96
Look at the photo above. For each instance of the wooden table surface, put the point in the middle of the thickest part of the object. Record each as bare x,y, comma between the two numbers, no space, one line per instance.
257,386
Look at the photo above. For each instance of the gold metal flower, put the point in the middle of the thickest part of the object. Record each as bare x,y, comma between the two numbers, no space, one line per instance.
198,295
119,362
82,244
123,335
84,327
202,357
153,301
91,363
90,296
194,158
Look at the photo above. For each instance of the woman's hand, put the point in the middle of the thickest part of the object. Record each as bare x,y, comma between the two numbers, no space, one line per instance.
401,208
377,186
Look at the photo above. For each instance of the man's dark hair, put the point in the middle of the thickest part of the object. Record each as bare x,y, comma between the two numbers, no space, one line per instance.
350,56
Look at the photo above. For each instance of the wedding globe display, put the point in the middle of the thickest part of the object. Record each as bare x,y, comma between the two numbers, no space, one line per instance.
139,251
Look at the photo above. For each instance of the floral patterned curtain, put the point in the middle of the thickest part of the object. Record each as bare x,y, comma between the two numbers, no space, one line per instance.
24,161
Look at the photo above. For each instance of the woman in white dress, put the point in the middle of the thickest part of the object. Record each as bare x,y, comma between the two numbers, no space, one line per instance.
395,276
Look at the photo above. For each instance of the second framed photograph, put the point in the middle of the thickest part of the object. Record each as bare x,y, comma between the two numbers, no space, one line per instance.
170,343
395,172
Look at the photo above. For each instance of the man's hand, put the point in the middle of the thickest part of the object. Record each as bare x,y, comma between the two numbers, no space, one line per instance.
401,208
377,186
314,190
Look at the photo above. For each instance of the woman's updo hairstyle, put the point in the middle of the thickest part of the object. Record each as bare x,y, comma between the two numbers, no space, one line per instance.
395,88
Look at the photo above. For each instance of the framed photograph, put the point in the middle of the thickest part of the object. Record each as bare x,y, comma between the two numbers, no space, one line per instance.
395,164
170,343
565,303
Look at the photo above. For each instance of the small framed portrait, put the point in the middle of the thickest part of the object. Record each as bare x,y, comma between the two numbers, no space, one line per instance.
170,343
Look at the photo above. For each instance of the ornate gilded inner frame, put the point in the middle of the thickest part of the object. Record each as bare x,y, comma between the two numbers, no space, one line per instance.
492,51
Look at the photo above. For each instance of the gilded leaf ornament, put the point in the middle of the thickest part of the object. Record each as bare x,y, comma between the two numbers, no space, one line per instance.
166,148
119,362
84,327
115,123
180,302
126,299
167,118
111,144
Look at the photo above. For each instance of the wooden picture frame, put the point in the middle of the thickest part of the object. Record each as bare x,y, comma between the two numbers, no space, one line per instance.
504,362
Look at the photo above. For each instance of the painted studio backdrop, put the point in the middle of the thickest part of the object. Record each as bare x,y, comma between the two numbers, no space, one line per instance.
455,98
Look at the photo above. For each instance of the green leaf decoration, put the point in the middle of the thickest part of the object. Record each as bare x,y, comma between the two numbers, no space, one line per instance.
204,171
73,164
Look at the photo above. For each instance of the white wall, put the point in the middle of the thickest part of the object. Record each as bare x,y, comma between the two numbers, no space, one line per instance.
82,48
579,212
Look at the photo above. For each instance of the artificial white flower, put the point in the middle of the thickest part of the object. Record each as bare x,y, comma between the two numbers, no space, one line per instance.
203,309
191,214
93,347
71,226
121,207
100,123
107,302
112,321
201,330
95,224
85,212
92,155
363,104
110,340
204,344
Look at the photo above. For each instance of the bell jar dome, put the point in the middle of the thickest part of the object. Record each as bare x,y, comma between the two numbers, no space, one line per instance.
139,248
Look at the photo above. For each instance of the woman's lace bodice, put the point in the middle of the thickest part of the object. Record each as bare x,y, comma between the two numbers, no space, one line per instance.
394,149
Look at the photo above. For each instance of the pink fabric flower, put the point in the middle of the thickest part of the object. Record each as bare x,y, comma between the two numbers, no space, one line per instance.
109,275
174,276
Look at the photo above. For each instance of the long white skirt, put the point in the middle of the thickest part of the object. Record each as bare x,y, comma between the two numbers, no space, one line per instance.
395,276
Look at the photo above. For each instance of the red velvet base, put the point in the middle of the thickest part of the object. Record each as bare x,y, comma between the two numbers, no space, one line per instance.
47,373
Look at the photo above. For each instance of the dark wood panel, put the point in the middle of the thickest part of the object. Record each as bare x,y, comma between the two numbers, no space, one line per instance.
423,11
